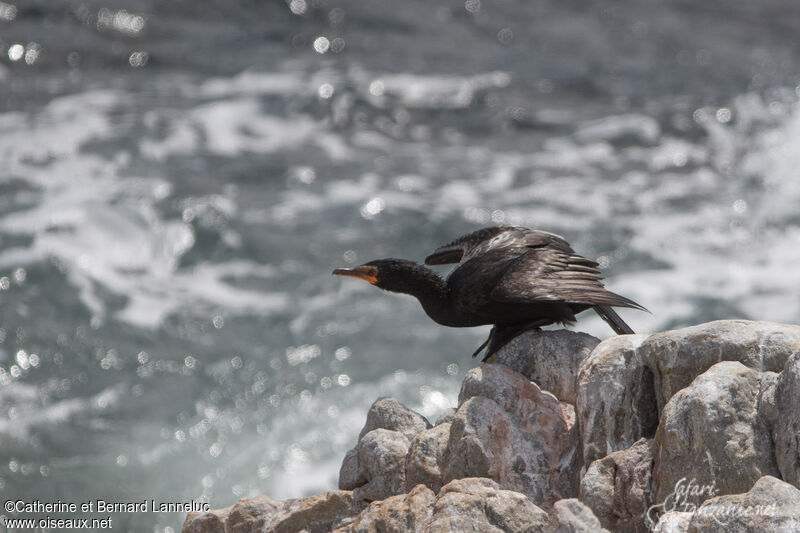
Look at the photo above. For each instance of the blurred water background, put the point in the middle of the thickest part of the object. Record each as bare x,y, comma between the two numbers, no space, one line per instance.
178,179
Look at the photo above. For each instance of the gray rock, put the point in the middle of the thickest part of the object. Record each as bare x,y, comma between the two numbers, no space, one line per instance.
511,431
771,505
315,514
446,416
627,380
388,413
571,516
711,436
720,418
425,458
673,522
472,504
615,403
381,460
617,488
548,358
677,357
786,423
216,520
404,513
350,475
363,466
478,504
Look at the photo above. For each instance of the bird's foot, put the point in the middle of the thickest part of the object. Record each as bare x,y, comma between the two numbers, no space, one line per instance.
502,335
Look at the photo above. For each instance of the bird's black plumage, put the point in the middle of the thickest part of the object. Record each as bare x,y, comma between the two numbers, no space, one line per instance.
511,277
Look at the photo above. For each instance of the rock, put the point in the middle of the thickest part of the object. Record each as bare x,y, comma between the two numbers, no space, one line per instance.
380,460
388,413
216,520
350,474
375,468
711,436
548,358
478,504
771,505
673,522
627,380
616,488
446,416
397,514
472,504
571,516
677,357
685,430
315,514
786,424
509,430
425,458
615,402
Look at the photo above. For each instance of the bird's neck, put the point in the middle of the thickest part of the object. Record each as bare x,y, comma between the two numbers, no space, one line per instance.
432,292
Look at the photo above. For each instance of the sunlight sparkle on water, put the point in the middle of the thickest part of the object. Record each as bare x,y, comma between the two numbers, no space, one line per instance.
32,53
325,91
377,88
138,59
121,21
15,52
373,207
8,12
321,44
298,7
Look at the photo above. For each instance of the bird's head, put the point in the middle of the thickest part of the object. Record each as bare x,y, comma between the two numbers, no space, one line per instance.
395,275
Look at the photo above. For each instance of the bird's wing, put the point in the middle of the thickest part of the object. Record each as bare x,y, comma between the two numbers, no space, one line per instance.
554,274
493,238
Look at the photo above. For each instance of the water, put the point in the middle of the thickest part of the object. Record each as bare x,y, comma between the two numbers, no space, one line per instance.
178,180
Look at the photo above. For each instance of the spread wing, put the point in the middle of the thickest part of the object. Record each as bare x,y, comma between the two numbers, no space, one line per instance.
493,238
555,274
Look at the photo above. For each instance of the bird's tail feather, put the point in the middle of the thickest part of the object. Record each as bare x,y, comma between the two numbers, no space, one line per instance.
613,319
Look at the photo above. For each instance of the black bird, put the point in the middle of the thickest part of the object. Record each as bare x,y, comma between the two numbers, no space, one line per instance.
511,277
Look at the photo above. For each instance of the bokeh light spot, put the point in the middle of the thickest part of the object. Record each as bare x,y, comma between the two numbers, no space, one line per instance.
373,207
8,12
15,52
321,44
298,7
325,91
505,36
724,115
377,88
138,59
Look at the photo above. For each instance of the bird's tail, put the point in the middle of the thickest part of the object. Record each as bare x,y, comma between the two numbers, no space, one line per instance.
611,317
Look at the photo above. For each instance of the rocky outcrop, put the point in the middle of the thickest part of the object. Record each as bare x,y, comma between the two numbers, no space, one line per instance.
471,504
783,408
316,514
549,358
771,505
376,467
508,429
626,382
617,487
665,432
425,458
711,430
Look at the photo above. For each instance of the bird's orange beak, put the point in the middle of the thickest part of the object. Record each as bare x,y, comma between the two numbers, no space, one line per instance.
367,273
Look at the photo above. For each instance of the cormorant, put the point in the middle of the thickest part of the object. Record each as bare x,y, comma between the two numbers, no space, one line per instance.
511,277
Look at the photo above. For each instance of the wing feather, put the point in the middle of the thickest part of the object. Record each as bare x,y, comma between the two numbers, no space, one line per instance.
493,238
552,274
